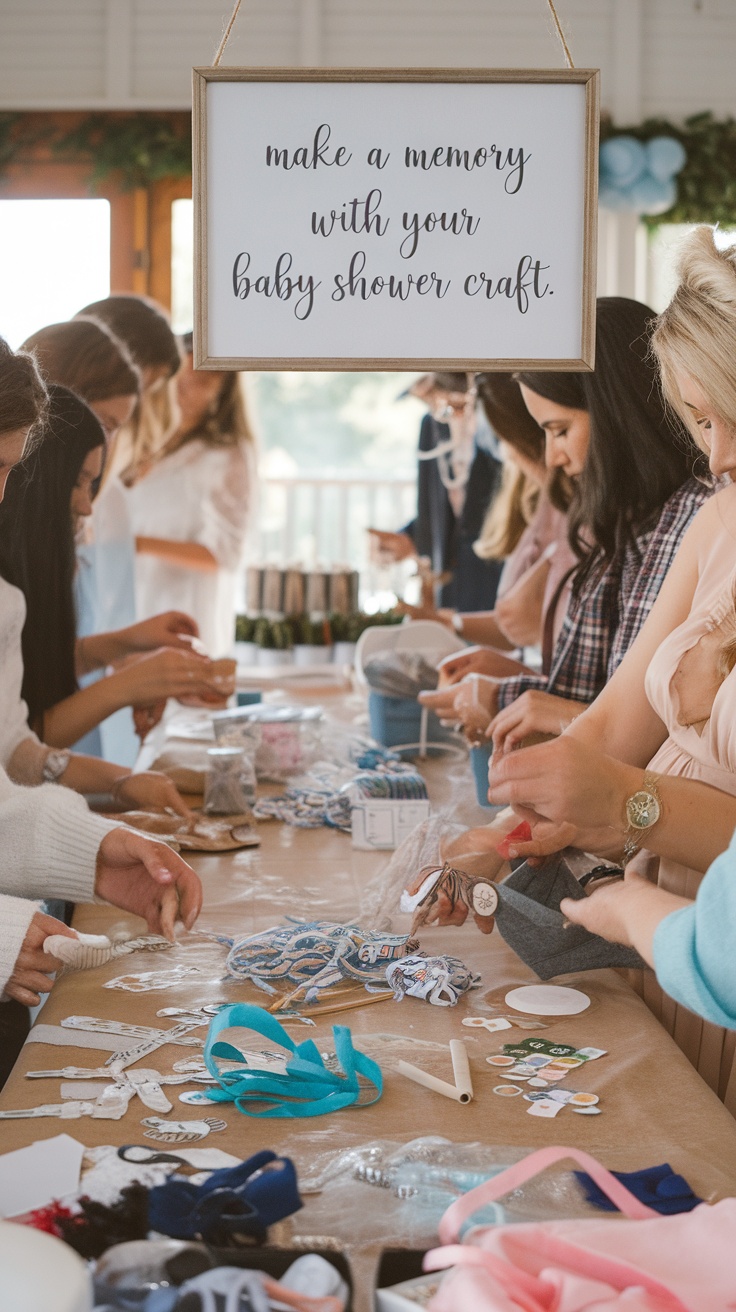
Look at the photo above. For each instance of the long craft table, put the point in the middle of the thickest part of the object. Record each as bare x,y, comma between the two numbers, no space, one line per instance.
654,1106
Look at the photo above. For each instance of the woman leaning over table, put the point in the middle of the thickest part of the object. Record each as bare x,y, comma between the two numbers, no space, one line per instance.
670,709
38,524
51,845
633,496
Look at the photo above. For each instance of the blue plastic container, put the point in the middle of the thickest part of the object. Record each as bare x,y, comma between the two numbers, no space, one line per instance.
479,760
249,698
397,720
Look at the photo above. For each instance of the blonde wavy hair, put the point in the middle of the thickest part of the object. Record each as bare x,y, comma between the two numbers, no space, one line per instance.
696,333
508,515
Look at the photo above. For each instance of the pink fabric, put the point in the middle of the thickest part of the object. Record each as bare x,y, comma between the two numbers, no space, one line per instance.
659,1264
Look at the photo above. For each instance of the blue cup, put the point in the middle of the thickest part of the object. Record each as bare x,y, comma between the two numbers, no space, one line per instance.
479,761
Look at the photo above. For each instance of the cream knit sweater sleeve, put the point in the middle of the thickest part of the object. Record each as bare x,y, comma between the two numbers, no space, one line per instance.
48,848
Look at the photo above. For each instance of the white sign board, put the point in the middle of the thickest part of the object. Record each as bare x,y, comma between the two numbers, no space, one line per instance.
395,220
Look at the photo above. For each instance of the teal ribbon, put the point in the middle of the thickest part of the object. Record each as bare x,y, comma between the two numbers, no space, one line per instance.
307,1088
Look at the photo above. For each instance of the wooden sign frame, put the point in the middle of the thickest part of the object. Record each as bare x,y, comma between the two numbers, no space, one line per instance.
588,78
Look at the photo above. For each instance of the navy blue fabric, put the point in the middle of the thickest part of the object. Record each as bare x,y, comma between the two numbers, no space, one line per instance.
657,1186
234,1200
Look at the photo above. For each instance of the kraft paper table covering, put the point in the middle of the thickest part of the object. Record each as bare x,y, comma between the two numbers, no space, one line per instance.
655,1107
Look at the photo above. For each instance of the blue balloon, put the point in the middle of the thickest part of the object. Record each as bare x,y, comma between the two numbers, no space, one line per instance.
653,196
622,160
666,156
614,198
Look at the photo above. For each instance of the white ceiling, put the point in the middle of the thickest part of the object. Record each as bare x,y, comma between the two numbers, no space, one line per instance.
670,57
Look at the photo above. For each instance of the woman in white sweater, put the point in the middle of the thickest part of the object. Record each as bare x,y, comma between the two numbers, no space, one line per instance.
50,844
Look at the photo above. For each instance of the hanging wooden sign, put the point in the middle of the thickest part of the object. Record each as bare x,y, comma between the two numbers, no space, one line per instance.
395,219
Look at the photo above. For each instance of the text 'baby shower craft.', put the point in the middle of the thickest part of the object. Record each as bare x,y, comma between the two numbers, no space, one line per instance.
367,215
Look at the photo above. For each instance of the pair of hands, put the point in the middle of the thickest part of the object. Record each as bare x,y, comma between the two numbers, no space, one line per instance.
134,873
469,698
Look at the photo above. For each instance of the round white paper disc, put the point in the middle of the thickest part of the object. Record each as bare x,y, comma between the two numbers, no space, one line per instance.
547,1000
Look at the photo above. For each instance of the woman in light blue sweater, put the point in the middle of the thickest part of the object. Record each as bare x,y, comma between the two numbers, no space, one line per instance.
691,945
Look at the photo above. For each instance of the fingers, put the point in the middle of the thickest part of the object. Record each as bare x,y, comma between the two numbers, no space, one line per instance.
574,909
50,925
175,802
189,890
36,981
179,622
20,994
169,910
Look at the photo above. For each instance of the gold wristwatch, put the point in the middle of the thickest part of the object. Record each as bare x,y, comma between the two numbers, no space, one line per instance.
643,810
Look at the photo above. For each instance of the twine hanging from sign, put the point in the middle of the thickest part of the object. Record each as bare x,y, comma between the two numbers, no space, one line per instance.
236,9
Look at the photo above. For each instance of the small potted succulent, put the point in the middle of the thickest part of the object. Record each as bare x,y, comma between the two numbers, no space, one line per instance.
312,640
345,634
273,638
245,647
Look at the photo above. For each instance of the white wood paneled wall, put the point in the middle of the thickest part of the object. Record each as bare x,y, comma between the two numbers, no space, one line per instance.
670,57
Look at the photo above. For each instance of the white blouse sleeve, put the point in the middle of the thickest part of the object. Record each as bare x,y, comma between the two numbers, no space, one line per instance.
226,502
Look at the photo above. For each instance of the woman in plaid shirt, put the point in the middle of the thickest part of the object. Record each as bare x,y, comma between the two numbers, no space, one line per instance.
628,463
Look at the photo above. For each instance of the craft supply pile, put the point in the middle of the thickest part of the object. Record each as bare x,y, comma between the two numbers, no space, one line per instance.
301,1023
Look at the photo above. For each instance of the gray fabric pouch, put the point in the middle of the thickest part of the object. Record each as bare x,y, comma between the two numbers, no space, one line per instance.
529,919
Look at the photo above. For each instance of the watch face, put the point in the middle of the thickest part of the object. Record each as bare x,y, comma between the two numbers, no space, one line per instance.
643,810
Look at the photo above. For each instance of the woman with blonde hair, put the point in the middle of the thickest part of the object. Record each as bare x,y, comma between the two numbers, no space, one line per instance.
190,505
666,721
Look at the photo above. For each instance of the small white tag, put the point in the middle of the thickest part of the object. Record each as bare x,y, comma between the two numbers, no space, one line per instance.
544,1107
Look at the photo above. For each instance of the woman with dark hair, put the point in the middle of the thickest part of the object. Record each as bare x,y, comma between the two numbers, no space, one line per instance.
86,357
51,845
628,465
190,506
38,521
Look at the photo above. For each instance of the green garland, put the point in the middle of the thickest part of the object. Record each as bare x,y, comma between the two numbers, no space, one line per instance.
140,148
706,186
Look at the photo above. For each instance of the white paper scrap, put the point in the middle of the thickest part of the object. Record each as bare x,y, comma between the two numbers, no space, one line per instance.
33,1177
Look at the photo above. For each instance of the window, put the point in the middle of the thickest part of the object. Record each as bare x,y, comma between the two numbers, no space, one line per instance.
54,258
182,262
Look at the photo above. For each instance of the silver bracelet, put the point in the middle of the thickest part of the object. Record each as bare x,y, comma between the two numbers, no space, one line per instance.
54,766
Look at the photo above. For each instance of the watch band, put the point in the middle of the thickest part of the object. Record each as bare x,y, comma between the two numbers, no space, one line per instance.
643,809
458,623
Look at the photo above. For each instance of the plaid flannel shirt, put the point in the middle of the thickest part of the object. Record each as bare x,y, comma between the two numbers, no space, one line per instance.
603,621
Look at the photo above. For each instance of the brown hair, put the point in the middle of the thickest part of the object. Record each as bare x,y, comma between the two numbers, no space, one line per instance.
84,356
143,326
513,509
23,396
500,396
229,423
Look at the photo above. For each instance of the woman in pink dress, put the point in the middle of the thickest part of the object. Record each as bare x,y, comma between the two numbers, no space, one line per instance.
670,708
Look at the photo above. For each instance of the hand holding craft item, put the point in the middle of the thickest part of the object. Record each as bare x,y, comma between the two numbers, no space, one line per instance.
84,951
445,894
529,919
